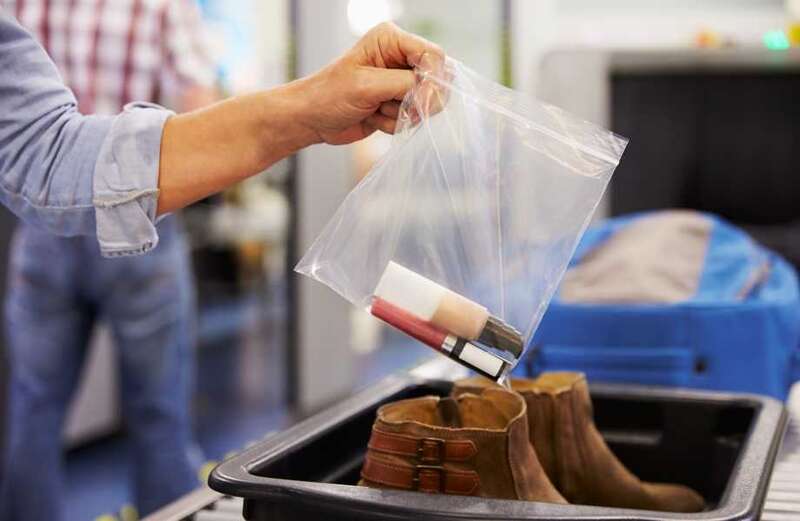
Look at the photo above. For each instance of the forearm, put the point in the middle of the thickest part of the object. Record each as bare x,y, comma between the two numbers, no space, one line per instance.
67,173
208,150
64,170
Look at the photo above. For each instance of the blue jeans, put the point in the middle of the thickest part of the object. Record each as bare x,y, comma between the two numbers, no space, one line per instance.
58,289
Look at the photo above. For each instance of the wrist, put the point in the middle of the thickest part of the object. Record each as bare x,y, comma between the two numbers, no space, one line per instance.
284,120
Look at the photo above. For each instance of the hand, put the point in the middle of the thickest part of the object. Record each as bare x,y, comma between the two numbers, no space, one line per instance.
207,150
361,91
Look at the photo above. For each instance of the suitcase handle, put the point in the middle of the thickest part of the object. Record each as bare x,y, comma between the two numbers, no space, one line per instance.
647,365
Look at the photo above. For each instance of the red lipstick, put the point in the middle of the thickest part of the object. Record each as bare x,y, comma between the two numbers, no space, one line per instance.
455,348
423,331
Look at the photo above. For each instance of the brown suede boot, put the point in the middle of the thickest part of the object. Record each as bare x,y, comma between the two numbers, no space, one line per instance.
574,454
474,445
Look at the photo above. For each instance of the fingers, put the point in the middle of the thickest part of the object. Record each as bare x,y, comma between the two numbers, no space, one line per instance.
389,46
376,86
414,47
380,122
390,109
375,75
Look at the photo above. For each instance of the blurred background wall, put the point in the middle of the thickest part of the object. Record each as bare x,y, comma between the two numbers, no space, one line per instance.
274,347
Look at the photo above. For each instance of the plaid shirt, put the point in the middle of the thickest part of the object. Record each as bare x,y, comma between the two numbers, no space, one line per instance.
113,52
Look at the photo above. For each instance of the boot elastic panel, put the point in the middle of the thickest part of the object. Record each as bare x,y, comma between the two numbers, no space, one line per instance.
551,382
474,385
493,407
449,413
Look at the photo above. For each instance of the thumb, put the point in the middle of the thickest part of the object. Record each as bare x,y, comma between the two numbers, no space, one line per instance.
380,85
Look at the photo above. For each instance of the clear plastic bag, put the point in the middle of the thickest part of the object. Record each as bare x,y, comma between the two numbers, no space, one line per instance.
461,233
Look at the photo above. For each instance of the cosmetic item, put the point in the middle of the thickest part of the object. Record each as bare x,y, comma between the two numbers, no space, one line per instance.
446,309
456,348
499,334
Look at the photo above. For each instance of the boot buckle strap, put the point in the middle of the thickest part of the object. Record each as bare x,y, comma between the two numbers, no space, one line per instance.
422,478
428,478
428,473
431,451
426,449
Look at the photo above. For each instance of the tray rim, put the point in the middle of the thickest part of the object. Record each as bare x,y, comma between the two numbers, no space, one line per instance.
741,500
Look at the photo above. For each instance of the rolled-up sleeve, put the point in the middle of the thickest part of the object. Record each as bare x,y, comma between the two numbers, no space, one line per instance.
126,181
69,173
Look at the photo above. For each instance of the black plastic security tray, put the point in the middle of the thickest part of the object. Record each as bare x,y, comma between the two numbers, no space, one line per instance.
722,445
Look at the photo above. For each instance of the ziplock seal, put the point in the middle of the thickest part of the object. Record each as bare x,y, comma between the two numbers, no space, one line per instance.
565,140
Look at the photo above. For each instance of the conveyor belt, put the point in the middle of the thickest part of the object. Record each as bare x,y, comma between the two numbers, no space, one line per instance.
224,509
783,495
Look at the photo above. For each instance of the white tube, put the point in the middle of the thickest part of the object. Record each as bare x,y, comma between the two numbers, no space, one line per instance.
429,301
484,361
410,291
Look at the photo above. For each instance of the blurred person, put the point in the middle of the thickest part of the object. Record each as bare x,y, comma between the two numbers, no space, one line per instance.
110,53
111,177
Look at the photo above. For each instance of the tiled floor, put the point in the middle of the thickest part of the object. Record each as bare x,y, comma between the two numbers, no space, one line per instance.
240,397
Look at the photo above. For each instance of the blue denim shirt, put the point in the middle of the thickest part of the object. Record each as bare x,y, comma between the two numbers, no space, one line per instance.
68,173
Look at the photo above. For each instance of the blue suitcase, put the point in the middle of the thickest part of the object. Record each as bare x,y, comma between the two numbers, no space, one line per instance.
712,340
